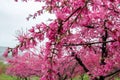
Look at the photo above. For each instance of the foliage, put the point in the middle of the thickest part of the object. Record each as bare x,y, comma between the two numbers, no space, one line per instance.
83,39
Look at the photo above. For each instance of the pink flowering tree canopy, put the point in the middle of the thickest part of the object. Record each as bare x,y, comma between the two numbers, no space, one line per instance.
84,38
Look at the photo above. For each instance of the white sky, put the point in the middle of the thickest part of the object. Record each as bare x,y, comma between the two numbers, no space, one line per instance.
13,17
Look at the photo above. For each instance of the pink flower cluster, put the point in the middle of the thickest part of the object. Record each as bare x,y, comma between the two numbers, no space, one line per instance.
83,39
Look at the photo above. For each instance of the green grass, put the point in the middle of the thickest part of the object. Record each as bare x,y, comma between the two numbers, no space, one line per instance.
83,77
35,78
6,77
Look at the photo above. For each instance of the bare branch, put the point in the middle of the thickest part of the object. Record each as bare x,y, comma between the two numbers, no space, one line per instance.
81,44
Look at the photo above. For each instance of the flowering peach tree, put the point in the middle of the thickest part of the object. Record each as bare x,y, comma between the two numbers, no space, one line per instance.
84,38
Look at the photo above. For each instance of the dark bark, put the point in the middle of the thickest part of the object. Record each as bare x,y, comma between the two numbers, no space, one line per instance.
102,78
104,49
81,64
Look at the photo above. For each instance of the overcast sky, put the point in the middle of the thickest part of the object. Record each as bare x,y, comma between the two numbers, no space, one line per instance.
13,17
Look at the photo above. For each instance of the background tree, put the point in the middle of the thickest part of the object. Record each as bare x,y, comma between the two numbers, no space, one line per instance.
84,31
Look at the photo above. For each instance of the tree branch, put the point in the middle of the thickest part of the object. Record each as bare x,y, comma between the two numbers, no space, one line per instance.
104,39
81,44
112,73
77,10
73,13
81,63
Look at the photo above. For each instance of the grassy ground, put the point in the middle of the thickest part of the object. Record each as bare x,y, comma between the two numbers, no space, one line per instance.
6,77
83,77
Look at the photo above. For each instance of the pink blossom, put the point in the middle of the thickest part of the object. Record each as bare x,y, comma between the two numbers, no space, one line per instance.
5,54
84,38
